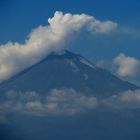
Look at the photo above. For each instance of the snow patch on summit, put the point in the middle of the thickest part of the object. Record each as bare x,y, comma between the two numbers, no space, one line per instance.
86,62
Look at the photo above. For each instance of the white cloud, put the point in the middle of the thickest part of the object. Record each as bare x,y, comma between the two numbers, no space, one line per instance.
128,99
127,66
103,27
69,102
131,96
15,57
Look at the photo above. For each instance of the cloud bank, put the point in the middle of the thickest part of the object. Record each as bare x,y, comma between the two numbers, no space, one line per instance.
63,102
125,100
52,38
56,102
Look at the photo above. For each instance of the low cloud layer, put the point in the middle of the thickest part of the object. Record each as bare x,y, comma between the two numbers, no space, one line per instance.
125,100
63,102
57,102
43,40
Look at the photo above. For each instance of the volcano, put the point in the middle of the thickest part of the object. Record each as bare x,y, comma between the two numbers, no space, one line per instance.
67,70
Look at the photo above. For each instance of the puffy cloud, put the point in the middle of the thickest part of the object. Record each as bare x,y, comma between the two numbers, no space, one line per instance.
127,66
103,27
14,57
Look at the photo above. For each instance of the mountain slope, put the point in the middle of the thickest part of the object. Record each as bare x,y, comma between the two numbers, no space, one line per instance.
67,70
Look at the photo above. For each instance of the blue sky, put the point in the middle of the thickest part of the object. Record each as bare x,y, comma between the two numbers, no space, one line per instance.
19,18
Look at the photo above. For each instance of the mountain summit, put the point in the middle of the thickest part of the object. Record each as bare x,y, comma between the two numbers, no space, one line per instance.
67,70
